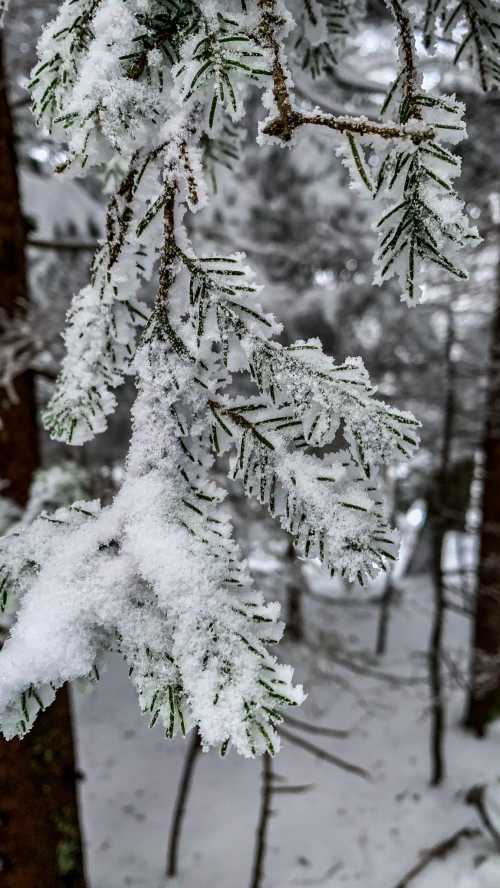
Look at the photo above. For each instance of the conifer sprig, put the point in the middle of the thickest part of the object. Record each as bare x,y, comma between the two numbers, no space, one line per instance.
214,58
423,220
477,26
323,32
157,575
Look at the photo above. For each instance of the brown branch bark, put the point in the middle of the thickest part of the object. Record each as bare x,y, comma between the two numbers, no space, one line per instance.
289,119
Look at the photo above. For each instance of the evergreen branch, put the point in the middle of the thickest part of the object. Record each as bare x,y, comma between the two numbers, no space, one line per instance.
288,119
477,22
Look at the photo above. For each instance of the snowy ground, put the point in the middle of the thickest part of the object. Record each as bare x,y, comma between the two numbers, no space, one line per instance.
344,831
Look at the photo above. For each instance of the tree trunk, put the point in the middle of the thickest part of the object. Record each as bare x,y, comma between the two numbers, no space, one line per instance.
439,521
384,617
484,699
389,588
39,827
19,454
294,594
437,707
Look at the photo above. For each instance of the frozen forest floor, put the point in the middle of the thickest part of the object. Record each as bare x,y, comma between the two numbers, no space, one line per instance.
343,831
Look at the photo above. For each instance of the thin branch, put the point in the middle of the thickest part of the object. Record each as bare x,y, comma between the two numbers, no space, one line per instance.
458,608
289,119
316,729
345,600
361,669
66,246
180,804
404,26
24,102
324,755
283,128
475,797
436,852
384,617
262,826
294,790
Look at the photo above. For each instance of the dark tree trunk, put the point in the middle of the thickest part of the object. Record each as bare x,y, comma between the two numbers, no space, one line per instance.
40,841
384,617
439,519
294,594
484,699
19,454
39,827
437,707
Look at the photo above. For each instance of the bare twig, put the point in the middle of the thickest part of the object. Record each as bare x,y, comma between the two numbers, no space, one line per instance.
365,669
64,246
180,804
324,755
475,797
316,729
436,852
389,590
345,600
262,826
320,880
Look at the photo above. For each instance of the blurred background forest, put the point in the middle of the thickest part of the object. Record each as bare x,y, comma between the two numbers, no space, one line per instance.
396,749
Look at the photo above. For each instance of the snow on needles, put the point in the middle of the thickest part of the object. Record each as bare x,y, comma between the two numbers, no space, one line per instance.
137,90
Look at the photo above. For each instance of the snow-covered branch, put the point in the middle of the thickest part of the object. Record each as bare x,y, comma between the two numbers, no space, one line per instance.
146,93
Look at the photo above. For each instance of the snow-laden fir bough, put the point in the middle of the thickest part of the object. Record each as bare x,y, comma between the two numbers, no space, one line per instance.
146,92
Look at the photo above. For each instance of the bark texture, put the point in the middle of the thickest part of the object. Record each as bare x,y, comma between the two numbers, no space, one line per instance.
484,698
19,453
